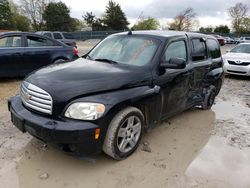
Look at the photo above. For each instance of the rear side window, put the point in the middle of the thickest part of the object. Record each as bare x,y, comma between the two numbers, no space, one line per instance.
214,48
199,51
57,36
176,50
38,42
48,35
13,41
68,36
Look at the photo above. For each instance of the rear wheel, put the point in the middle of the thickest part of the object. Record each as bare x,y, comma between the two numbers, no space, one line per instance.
218,85
124,133
59,61
209,98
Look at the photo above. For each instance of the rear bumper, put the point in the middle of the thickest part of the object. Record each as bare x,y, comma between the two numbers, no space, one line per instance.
79,136
237,69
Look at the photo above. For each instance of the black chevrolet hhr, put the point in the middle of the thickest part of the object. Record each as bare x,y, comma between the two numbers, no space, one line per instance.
125,85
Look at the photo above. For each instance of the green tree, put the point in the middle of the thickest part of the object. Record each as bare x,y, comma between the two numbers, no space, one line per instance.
206,29
6,16
22,23
245,26
89,18
57,17
114,18
77,24
222,29
147,24
98,25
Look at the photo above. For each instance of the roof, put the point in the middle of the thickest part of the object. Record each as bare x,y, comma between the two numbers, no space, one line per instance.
15,32
159,33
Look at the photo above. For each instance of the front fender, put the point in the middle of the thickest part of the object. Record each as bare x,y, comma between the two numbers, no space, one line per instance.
132,95
146,96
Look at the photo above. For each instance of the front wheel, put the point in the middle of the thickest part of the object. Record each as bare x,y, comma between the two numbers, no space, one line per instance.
124,133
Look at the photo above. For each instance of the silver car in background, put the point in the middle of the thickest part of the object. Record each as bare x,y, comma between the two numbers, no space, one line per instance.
64,37
237,60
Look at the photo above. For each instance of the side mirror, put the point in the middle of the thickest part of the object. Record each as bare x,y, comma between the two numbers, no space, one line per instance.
174,63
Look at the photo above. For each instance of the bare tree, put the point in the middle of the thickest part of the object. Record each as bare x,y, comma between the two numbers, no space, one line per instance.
238,13
34,9
184,21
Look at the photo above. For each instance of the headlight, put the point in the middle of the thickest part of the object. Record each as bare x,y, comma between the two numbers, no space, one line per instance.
85,111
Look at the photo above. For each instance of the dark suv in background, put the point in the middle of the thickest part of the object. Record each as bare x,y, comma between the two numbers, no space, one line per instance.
123,87
64,37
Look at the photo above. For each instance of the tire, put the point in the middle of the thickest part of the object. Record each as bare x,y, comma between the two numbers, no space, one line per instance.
209,98
124,133
59,61
218,85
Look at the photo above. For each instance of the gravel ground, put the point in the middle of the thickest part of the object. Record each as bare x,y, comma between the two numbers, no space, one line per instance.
193,149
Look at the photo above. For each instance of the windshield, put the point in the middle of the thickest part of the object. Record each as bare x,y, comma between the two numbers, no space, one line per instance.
244,48
68,36
126,49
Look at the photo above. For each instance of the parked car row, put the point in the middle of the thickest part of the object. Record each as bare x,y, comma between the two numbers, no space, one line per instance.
229,40
22,53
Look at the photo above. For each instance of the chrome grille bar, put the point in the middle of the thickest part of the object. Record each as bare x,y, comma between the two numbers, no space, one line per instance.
36,98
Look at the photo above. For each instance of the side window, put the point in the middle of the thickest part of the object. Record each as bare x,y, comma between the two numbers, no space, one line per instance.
48,35
13,41
199,51
214,48
176,50
57,36
38,42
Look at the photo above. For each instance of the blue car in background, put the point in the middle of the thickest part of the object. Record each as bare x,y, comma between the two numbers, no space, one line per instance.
22,53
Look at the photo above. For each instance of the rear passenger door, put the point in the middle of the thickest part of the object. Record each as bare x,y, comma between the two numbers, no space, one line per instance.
37,52
201,65
11,55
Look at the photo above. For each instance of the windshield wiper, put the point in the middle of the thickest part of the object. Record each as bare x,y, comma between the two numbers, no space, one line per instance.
88,57
107,61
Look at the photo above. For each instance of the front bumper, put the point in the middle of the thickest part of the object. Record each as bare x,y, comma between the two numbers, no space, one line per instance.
75,135
237,69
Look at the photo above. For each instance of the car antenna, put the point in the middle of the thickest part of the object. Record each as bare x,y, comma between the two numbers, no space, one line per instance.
129,32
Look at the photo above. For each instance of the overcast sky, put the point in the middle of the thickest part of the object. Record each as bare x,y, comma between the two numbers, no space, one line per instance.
209,12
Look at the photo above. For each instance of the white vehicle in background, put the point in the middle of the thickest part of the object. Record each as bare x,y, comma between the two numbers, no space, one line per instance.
237,60
229,40
244,39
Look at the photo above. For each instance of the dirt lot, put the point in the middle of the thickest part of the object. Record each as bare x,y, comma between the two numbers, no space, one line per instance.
194,149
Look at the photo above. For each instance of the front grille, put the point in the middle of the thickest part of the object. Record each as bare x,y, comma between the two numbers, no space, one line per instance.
239,72
240,64
36,98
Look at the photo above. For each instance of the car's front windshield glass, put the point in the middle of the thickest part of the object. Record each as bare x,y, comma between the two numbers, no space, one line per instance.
125,49
244,48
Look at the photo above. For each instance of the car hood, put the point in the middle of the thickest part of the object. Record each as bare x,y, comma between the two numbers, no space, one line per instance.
82,77
237,56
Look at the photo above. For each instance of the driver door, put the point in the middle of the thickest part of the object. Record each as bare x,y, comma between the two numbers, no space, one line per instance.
174,83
